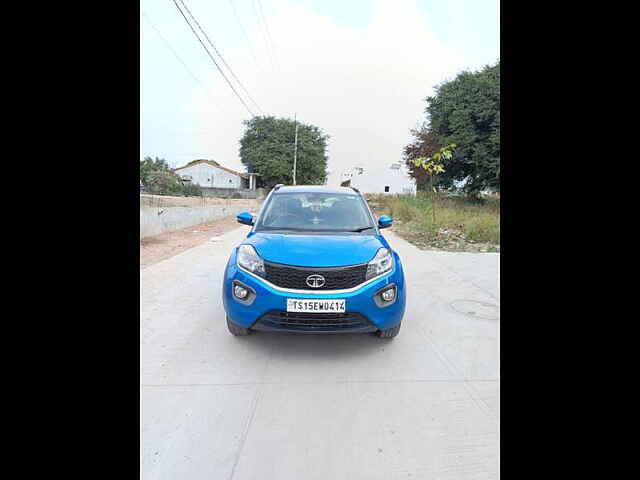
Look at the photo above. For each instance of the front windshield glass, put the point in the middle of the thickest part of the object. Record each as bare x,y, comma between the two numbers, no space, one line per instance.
304,211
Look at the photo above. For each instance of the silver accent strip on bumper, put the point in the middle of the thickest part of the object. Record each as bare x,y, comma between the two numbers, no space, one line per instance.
319,292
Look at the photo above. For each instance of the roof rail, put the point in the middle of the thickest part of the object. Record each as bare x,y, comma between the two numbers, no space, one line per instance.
355,189
278,186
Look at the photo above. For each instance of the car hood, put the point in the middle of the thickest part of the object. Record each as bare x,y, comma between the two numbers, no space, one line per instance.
315,250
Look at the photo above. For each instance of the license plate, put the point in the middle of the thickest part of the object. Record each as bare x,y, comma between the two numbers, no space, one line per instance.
316,306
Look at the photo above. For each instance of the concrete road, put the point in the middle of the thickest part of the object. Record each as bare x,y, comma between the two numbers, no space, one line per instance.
276,406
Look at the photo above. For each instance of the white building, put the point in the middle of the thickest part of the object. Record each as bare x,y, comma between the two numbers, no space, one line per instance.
394,179
208,173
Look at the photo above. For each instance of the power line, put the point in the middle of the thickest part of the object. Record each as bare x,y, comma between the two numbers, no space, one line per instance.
262,32
214,60
178,56
244,32
266,26
220,55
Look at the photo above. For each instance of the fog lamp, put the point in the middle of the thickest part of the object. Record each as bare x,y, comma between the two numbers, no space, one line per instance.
240,292
389,294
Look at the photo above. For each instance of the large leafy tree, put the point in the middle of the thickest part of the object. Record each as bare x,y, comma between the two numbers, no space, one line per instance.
267,149
466,111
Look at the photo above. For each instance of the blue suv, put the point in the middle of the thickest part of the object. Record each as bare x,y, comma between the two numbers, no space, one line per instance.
314,262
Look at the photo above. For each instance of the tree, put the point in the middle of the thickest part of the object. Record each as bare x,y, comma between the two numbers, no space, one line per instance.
466,111
267,149
158,177
424,145
150,165
434,166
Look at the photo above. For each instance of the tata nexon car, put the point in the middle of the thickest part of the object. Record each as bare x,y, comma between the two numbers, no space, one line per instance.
314,262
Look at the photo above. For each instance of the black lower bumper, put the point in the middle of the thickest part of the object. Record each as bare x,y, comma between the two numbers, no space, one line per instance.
291,322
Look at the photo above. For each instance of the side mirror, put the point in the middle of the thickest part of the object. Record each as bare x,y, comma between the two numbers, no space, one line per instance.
385,221
245,218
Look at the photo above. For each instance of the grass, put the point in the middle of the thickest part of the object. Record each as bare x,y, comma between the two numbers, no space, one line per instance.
461,223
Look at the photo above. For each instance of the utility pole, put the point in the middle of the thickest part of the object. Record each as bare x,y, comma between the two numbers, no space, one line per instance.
295,148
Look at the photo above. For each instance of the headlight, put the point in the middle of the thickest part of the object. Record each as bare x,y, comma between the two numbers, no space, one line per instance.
249,259
381,263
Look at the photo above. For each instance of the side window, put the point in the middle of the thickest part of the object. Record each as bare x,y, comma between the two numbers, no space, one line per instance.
386,189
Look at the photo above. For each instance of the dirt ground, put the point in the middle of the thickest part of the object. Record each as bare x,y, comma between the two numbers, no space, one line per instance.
159,247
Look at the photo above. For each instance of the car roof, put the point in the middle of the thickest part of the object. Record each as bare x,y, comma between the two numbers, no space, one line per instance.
315,189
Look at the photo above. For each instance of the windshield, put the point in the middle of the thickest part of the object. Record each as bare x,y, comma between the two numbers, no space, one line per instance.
316,212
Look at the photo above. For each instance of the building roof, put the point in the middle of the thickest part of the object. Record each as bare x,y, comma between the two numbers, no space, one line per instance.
211,163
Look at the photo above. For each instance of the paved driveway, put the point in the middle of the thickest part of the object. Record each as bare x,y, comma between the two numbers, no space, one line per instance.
275,406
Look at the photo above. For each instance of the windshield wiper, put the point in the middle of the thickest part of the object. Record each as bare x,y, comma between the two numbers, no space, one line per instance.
361,229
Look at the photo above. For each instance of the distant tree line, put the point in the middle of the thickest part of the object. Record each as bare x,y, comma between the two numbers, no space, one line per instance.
158,178
464,111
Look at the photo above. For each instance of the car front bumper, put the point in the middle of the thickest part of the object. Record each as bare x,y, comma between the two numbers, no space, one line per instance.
267,308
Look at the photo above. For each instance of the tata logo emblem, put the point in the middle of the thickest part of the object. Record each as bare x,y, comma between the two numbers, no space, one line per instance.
315,281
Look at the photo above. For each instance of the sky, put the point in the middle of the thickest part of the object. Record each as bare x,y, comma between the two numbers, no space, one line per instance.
359,70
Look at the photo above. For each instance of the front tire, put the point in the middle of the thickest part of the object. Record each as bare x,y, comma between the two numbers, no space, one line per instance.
236,330
389,332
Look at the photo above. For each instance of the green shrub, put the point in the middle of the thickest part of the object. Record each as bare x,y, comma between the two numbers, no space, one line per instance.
191,190
163,182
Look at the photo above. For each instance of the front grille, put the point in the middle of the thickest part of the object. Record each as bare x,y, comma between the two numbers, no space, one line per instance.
336,278
313,322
